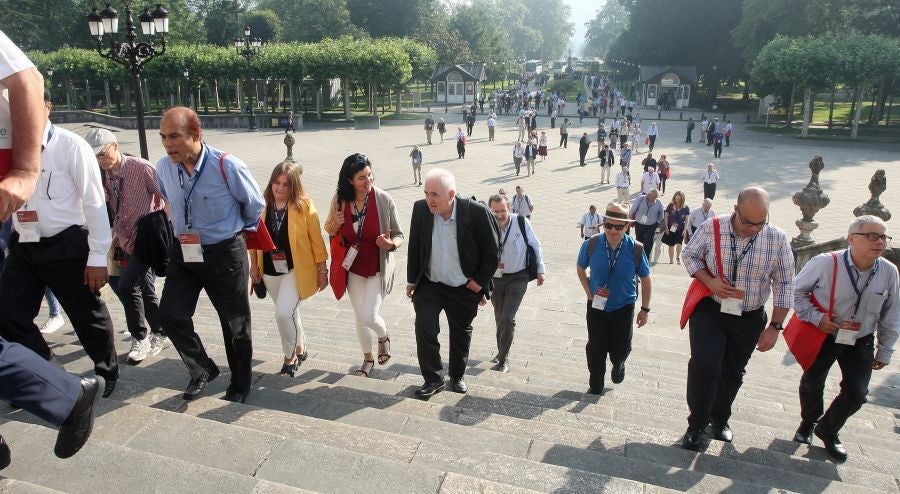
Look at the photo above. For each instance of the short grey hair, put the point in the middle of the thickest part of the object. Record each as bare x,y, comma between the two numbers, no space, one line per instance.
447,180
707,202
867,219
498,198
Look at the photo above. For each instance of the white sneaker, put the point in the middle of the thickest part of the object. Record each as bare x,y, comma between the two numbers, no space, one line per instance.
158,344
52,324
140,349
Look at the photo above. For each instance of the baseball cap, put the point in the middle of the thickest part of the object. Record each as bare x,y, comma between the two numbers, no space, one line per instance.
98,138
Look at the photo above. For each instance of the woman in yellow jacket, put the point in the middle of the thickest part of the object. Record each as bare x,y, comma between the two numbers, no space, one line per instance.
295,270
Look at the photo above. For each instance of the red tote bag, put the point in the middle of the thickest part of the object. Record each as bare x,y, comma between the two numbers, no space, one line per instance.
698,290
337,277
804,339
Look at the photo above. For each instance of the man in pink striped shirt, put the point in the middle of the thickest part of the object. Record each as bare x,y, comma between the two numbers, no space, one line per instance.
131,193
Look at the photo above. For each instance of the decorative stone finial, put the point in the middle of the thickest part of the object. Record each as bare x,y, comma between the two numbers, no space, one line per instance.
289,142
810,200
873,206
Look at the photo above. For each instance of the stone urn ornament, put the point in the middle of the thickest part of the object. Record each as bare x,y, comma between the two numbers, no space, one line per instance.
873,206
289,142
810,200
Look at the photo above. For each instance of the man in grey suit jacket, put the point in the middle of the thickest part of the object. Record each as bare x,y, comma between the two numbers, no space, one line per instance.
453,253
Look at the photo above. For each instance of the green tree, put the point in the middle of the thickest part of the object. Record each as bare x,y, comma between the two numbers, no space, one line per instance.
382,18
312,20
603,29
436,33
551,17
222,21
863,60
486,41
264,24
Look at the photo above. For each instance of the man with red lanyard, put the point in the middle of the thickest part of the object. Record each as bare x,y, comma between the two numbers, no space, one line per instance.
865,299
756,257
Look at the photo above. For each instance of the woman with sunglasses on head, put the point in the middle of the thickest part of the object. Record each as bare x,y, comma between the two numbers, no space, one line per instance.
295,270
365,218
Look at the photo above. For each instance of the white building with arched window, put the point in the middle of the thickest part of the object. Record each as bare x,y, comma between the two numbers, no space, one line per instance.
458,83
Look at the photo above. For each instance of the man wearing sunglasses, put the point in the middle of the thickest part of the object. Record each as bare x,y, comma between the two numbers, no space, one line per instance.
725,327
615,261
865,303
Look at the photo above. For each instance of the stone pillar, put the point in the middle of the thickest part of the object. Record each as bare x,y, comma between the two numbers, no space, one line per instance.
810,200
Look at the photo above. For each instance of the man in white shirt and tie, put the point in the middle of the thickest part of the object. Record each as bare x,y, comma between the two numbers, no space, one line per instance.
710,177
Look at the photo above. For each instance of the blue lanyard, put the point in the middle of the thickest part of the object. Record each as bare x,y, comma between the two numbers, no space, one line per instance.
188,217
735,259
360,218
278,222
505,237
117,183
610,259
854,281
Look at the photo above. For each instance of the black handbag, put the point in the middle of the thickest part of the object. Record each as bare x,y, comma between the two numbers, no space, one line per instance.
531,264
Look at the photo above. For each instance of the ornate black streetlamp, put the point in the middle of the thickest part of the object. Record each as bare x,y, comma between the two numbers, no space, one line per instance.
131,53
248,48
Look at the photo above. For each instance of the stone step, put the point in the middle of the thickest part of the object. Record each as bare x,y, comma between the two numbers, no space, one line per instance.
338,392
13,486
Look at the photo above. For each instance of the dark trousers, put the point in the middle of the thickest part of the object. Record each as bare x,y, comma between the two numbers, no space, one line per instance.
717,150
469,129
509,290
721,346
709,191
582,154
727,140
609,333
688,137
460,305
56,262
224,275
137,293
652,141
460,149
662,182
856,370
35,385
644,234
564,140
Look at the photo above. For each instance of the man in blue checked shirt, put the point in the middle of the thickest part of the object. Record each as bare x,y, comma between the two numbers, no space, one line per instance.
212,197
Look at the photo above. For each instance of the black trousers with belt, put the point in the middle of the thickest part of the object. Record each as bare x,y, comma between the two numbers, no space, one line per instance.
721,346
609,333
856,370
461,306
709,190
56,262
224,275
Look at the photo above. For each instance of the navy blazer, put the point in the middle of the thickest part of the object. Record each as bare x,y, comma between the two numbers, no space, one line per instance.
477,238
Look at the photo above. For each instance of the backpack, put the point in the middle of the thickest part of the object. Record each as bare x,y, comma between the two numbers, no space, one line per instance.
531,264
638,253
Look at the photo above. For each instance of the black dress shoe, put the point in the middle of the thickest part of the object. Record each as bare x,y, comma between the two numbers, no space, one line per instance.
691,439
804,433
833,445
618,373
196,386
458,386
595,391
722,432
501,367
77,427
109,388
5,454
430,389
236,396
495,360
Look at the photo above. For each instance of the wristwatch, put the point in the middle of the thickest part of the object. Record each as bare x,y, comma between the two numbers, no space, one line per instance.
646,309
776,325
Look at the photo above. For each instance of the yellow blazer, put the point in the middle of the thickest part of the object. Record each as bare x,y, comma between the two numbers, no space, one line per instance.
307,246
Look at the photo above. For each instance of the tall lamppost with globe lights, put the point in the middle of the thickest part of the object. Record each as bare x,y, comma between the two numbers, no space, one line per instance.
248,48
130,53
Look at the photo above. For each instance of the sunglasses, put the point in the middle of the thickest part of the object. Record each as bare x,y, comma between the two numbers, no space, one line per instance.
873,237
610,226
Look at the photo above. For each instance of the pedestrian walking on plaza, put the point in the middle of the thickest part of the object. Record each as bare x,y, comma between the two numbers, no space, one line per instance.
704,126
606,163
648,162
522,127
711,129
130,184
861,310
511,278
608,267
583,146
552,117
674,221
717,137
290,123
624,134
442,129
530,155
710,178
589,224
491,123
365,218
447,227
296,269
62,236
690,129
650,181
625,155
613,138
429,128
726,326
207,226
647,211
520,203
564,133
416,156
460,143
636,137
729,129
664,172
652,134
697,218
623,183
470,123
518,154
601,135
542,145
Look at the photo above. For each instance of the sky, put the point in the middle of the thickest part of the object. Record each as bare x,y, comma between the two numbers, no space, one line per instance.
582,12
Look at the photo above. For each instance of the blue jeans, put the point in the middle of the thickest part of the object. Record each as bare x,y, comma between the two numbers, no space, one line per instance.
52,303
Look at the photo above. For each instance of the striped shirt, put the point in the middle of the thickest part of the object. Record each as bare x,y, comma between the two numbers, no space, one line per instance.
132,194
767,265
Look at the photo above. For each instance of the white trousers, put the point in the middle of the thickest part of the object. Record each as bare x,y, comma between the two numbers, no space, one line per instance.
283,290
365,297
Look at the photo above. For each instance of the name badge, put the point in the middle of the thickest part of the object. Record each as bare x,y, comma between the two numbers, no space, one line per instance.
350,257
279,260
600,299
644,219
848,332
734,306
26,223
673,228
499,272
191,251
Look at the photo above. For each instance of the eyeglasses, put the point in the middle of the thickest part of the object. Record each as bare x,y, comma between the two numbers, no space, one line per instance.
610,226
750,223
875,236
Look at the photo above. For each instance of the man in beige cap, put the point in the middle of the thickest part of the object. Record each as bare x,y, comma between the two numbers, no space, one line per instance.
130,185
615,261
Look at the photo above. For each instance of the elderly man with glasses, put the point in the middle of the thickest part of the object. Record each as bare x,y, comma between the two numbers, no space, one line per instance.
755,259
609,265
866,303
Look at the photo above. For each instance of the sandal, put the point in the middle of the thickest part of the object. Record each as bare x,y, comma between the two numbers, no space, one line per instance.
365,369
384,350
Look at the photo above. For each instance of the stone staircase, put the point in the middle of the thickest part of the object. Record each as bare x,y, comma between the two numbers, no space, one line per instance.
532,430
